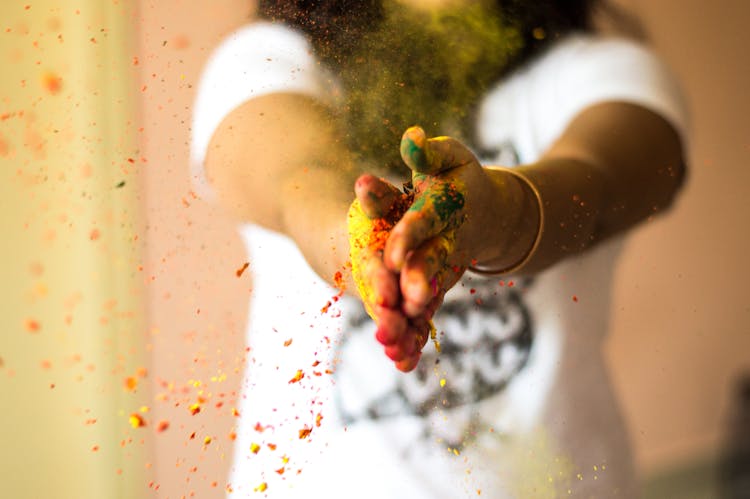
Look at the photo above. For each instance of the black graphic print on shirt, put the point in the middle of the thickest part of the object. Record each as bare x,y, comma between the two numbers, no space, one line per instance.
485,334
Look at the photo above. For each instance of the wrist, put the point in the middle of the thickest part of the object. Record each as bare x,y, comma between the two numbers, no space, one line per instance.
521,211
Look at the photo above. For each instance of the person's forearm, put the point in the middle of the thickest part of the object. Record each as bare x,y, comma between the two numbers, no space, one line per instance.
616,165
279,161
314,216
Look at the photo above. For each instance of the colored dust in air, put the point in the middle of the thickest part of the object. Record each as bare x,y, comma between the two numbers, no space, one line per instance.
367,239
52,83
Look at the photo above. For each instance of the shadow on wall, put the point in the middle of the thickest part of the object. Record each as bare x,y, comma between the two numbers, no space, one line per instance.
727,477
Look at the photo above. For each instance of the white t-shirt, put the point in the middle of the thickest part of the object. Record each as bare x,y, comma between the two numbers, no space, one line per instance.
517,403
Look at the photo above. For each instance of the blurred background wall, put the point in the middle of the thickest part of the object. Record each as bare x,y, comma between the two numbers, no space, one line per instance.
681,330
72,352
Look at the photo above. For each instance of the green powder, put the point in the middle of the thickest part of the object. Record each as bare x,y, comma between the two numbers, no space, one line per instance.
421,68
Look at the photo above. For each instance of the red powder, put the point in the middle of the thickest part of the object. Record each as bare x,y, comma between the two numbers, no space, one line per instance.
297,376
241,270
51,83
130,383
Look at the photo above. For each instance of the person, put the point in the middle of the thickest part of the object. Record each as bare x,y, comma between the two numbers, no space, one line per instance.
457,170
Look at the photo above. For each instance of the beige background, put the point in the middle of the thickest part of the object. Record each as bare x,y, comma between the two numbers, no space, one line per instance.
681,329
71,319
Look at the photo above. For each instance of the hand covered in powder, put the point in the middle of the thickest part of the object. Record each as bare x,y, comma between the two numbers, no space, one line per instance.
373,214
409,249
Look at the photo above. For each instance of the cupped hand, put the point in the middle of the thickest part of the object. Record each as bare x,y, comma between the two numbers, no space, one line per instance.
372,215
407,250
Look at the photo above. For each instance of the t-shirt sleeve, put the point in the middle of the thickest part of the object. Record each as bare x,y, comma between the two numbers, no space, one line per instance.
590,70
258,59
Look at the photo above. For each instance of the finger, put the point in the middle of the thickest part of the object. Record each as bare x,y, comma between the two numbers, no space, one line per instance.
408,364
419,280
376,196
432,156
392,326
375,283
383,284
407,346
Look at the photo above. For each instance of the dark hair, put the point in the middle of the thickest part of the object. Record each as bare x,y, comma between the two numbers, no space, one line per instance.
334,26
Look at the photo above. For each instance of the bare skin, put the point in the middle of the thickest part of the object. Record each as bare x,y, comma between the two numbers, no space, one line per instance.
277,161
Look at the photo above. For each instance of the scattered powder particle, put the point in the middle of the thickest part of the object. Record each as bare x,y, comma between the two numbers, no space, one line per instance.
242,269
442,382
46,364
94,235
194,409
288,342
259,427
254,448
325,308
206,440
136,420
271,446
162,426
318,419
575,298
338,279
235,412
232,436
298,376
304,432
51,83
33,326
261,488
280,471
130,383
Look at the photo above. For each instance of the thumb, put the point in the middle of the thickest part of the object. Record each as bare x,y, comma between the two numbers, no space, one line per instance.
435,155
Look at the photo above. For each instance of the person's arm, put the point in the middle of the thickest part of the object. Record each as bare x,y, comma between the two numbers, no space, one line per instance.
615,164
279,161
